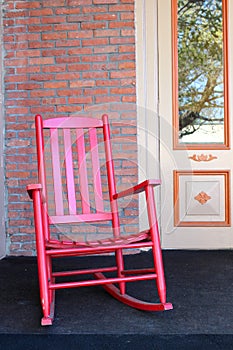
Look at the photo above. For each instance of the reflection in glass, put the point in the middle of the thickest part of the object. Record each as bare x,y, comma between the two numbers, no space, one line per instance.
200,71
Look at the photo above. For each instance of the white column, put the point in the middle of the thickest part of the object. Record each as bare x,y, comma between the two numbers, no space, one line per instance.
147,94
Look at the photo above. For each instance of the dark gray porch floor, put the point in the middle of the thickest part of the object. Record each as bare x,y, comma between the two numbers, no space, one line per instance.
199,284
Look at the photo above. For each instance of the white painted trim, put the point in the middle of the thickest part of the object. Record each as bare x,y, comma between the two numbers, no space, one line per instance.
147,93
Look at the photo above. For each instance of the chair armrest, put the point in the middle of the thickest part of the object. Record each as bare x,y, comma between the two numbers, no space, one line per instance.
137,188
33,187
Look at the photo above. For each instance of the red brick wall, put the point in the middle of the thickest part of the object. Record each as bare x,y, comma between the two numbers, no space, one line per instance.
62,57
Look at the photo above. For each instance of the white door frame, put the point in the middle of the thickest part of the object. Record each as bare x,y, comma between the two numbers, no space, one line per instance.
147,95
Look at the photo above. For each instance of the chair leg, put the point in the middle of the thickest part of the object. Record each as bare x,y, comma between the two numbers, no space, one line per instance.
157,254
47,300
46,296
120,268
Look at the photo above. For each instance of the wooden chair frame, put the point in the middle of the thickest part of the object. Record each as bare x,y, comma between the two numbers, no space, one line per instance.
48,248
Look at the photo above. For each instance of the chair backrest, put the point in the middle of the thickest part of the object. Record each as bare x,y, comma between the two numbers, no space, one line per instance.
71,152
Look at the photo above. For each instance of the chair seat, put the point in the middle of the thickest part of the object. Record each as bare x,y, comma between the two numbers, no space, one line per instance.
124,240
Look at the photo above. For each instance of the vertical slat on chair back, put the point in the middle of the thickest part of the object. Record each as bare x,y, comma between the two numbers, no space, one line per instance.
96,170
111,176
56,172
83,172
71,175
69,172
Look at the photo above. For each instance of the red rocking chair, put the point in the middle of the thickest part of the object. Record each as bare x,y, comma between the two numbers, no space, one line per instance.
73,144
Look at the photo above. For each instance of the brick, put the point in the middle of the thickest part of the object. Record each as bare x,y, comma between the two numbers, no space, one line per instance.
66,27
82,83
53,3
124,57
80,100
127,16
15,78
127,32
80,18
69,92
95,58
107,99
15,111
95,9
15,14
67,76
53,19
16,62
41,77
53,101
68,43
42,93
79,2
107,82
15,29
55,68
95,42
27,5
93,25
27,21
129,99
54,36
68,109
107,32
53,52
79,67
66,59
105,17
42,109
121,24
96,75
127,82
29,53
123,74
119,8
41,12
67,11
80,51
123,91
39,44
27,37
55,84
41,60
40,28
80,34
98,2
105,66
106,49
126,48
95,91
127,65
125,40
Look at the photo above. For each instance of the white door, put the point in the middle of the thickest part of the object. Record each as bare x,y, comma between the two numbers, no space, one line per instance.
196,198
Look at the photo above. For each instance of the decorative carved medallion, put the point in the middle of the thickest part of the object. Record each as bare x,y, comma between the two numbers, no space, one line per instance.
202,197
202,157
